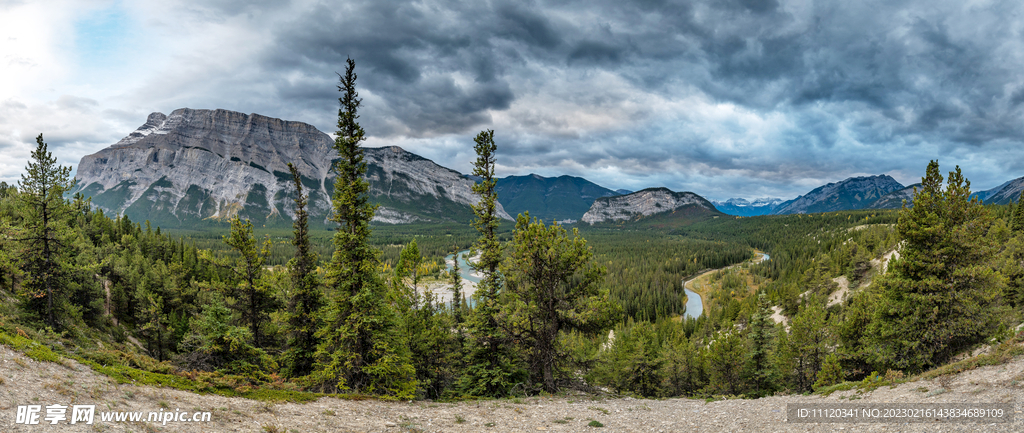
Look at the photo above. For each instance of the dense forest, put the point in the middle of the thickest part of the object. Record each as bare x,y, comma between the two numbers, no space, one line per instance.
288,315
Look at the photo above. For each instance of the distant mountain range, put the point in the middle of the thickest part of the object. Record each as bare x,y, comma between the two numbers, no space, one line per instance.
192,166
743,207
549,198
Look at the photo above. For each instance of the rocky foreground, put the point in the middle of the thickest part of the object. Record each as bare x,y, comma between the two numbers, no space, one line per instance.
26,382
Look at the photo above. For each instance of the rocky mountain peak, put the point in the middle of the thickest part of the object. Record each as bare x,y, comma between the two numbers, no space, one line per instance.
212,164
643,203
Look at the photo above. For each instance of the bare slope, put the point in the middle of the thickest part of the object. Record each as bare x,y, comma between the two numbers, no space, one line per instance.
30,382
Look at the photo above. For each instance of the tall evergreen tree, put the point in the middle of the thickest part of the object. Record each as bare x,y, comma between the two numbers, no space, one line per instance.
253,299
46,237
455,279
361,347
938,296
491,365
409,260
1017,221
682,368
725,362
810,339
551,286
306,297
760,369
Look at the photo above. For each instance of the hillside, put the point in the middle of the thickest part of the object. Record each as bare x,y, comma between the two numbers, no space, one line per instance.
1006,193
850,194
549,198
894,200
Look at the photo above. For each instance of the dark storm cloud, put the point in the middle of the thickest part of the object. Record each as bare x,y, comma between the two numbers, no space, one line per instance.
784,93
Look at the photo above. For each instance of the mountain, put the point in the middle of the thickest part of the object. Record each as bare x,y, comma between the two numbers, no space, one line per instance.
648,202
850,194
549,198
195,165
1006,193
1002,194
743,207
894,200
623,191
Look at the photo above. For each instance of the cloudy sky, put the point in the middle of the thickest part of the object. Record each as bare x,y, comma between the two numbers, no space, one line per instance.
726,98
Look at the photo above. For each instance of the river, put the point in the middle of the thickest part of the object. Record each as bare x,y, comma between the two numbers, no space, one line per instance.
693,299
464,269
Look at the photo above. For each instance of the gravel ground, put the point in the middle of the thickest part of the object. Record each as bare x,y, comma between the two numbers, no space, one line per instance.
27,382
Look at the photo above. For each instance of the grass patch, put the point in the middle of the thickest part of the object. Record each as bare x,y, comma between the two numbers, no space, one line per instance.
1004,353
595,423
31,348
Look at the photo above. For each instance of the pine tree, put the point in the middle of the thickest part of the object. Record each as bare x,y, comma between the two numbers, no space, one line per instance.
254,300
551,286
455,279
632,363
937,298
760,371
213,344
491,365
1017,222
831,372
306,295
361,347
409,260
810,338
682,368
46,238
725,363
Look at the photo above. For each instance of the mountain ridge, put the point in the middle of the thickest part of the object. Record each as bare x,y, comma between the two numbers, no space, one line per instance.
849,194
562,198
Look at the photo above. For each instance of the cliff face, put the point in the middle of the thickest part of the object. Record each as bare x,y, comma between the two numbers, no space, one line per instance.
643,203
850,194
194,165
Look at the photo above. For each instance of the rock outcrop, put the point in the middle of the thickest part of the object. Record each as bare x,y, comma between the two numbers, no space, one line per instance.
195,165
643,203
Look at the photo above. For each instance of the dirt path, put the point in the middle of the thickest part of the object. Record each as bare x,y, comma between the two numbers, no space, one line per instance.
28,382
